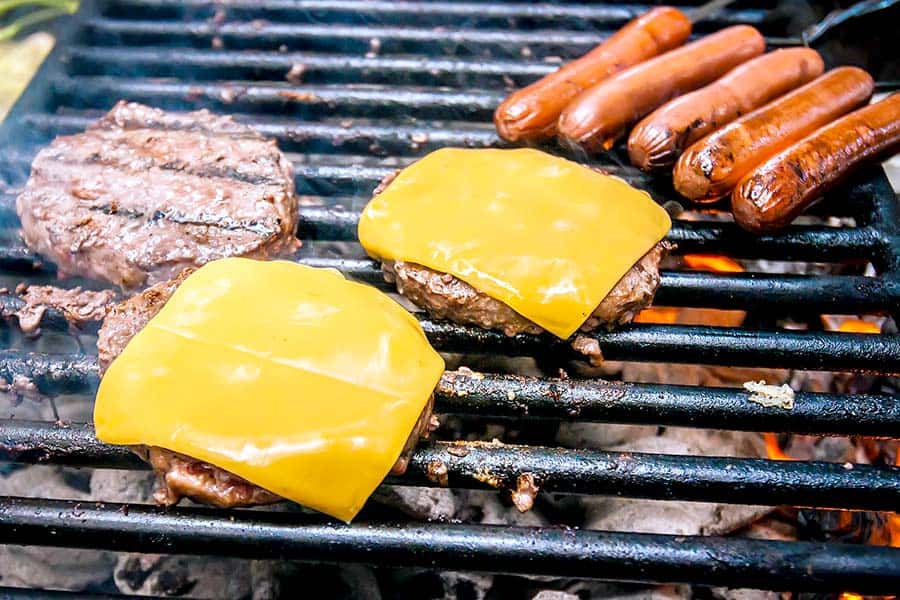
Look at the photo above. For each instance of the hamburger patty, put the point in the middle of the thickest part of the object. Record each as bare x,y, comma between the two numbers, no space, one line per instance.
183,476
444,296
143,193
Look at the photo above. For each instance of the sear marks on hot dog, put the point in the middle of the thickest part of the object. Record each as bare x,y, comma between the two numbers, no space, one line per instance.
530,114
658,140
781,188
711,168
600,115
143,193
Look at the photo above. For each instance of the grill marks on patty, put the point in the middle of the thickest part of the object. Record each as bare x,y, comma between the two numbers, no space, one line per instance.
143,194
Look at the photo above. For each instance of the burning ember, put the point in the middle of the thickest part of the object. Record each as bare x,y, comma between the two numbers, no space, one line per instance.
773,448
667,315
712,262
852,325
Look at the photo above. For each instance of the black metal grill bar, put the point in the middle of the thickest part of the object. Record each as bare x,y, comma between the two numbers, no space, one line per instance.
679,344
690,406
10,593
814,243
195,63
306,100
706,345
354,38
52,373
554,551
512,15
822,293
329,136
502,396
485,465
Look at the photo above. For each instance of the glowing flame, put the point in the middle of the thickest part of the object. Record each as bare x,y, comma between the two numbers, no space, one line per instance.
850,596
893,519
665,315
858,326
712,262
773,448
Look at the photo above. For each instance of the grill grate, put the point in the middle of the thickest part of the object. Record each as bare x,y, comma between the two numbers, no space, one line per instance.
362,110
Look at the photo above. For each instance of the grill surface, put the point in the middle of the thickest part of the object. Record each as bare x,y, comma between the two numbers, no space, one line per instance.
367,107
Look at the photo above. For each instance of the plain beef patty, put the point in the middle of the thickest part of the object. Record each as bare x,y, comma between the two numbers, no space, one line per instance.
143,193
181,475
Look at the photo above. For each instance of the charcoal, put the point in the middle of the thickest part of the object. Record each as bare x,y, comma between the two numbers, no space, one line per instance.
418,502
53,568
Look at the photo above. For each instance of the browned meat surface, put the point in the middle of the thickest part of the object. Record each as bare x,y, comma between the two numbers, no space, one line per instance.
142,194
126,318
183,476
79,306
445,297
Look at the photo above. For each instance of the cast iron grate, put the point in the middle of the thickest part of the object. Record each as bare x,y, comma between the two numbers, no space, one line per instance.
386,84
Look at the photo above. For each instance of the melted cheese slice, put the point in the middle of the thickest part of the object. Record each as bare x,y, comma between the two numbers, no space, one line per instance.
544,235
291,377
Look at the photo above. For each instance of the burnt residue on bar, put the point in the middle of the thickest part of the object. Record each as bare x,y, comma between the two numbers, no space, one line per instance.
554,552
493,465
517,397
513,396
51,373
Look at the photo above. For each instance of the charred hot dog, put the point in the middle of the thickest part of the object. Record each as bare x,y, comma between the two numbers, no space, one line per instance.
598,116
782,187
530,114
711,168
658,140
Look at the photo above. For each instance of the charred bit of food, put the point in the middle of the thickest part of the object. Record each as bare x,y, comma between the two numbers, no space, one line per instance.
77,305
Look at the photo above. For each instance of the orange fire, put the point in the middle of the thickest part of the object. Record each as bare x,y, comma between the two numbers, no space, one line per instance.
893,519
850,596
773,448
858,326
665,315
712,262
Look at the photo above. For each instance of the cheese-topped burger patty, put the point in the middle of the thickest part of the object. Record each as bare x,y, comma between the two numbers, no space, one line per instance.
517,240
246,382
143,193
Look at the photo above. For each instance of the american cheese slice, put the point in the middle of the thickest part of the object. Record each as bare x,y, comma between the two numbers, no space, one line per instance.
291,377
544,235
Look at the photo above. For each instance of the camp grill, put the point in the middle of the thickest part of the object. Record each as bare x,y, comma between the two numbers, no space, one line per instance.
386,79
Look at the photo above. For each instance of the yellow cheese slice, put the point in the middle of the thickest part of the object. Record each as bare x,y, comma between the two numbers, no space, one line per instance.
544,235
294,378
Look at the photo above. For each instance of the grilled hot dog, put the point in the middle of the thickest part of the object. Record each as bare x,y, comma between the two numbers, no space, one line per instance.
712,167
598,116
782,187
530,114
658,140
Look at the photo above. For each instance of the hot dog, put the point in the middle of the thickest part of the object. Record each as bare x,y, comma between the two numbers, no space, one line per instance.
598,116
530,114
782,187
658,140
712,167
